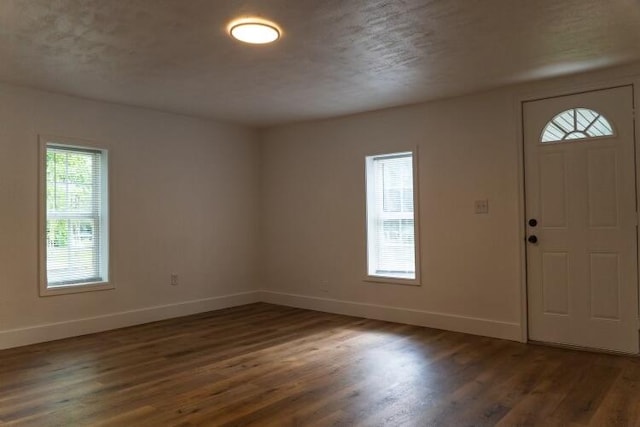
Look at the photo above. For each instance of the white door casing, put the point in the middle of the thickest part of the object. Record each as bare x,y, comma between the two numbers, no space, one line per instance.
582,278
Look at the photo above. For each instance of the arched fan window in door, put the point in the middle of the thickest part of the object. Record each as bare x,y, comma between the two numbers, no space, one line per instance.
576,123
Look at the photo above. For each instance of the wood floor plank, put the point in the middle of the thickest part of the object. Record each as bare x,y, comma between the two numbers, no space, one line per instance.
266,365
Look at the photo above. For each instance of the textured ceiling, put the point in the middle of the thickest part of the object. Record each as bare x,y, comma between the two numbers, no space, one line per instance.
336,56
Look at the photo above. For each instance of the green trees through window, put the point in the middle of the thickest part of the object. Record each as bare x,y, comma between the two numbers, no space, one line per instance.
76,218
69,189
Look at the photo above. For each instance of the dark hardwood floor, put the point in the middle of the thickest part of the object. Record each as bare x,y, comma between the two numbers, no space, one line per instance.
266,365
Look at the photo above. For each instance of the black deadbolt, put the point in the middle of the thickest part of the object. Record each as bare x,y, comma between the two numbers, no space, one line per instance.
533,222
533,239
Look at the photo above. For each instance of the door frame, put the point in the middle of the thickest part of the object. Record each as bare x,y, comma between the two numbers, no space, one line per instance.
549,90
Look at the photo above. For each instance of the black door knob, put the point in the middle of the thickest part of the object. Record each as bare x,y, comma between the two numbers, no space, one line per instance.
533,239
533,222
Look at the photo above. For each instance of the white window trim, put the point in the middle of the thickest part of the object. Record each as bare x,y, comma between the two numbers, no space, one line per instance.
416,221
62,142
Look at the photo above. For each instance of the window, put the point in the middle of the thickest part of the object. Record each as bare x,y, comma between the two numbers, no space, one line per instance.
391,223
75,223
577,123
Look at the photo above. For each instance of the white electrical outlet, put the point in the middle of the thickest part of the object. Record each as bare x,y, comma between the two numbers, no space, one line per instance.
174,280
481,206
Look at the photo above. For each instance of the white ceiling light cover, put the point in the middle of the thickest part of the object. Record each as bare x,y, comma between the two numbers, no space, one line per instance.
255,31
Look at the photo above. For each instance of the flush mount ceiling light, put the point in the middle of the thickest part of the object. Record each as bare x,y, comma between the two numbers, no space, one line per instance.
254,31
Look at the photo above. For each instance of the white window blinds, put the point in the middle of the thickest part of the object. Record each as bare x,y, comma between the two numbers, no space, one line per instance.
390,216
76,220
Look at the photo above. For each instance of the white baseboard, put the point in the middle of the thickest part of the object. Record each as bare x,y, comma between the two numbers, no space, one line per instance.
449,322
54,331
76,327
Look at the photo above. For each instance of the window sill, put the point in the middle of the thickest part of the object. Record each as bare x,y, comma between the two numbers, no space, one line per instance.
75,289
392,280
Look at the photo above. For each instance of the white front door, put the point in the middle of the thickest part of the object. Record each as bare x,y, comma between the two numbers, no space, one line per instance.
582,277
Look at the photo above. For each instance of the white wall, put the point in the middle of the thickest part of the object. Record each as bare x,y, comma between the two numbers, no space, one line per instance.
184,200
313,204
234,212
